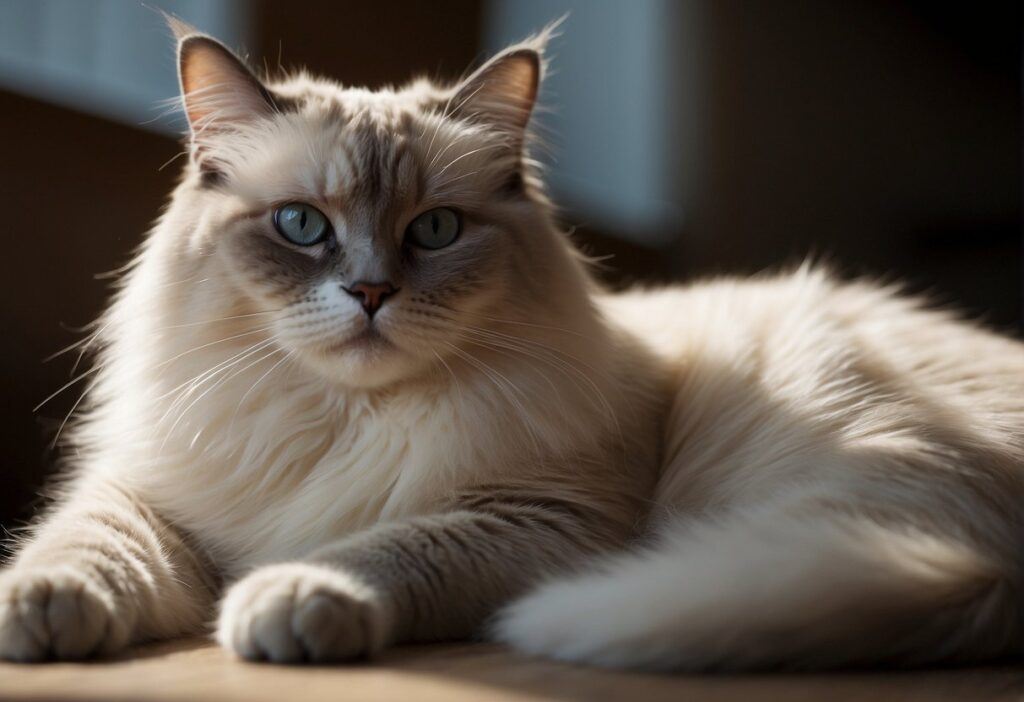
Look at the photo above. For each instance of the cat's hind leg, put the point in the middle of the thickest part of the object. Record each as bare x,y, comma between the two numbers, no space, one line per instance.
802,589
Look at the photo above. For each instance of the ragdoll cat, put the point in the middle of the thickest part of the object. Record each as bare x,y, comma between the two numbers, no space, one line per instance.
357,389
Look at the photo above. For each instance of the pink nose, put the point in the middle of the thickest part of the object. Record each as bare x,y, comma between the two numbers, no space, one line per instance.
371,295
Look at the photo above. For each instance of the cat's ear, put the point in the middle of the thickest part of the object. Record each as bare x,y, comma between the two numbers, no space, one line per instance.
218,90
502,93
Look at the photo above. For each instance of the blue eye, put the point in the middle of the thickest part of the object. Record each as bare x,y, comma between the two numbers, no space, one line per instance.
434,229
301,224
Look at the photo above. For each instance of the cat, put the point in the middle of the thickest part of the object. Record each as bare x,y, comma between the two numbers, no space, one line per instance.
358,389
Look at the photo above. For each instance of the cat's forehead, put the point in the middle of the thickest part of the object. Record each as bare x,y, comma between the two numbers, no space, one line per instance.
386,106
332,144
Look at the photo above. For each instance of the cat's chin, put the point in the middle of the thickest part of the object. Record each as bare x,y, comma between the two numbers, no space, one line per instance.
369,343
367,360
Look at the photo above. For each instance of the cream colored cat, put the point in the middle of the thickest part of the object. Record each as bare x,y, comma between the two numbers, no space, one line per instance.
357,389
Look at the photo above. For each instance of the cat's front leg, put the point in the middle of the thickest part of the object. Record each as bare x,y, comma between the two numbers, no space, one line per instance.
293,612
426,579
102,571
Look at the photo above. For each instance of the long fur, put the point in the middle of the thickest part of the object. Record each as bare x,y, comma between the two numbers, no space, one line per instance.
738,474
842,485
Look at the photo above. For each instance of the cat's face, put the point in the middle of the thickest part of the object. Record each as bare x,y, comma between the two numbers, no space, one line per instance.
379,229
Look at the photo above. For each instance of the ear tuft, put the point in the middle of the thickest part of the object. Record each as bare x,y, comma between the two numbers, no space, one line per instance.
504,90
179,27
219,92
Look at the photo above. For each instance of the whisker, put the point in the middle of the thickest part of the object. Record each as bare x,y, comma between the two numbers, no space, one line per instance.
226,378
508,351
67,417
560,360
214,321
466,155
496,377
445,113
212,343
455,378
193,383
67,385
598,395
529,324
71,347
274,367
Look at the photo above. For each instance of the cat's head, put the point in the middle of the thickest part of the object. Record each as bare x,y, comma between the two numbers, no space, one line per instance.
381,230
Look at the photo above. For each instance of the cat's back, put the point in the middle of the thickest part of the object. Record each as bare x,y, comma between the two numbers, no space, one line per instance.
794,374
806,322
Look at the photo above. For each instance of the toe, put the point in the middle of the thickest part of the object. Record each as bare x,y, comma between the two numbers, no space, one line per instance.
77,621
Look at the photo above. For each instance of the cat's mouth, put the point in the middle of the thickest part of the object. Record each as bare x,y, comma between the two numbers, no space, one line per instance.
368,339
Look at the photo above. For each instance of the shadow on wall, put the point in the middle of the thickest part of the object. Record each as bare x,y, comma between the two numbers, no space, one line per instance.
886,136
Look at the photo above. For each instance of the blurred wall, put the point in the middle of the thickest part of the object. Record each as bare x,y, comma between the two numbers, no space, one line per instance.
107,57
77,193
883,136
617,90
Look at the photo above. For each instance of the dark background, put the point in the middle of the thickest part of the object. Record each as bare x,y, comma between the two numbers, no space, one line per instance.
884,137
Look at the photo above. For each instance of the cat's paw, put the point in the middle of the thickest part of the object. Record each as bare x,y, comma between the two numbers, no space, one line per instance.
57,612
297,612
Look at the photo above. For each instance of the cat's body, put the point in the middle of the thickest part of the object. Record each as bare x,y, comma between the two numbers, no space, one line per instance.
271,464
833,474
842,483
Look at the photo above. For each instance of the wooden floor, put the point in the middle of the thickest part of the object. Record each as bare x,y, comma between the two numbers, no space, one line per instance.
196,670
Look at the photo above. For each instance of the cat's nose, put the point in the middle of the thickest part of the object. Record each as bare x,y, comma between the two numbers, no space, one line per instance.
371,295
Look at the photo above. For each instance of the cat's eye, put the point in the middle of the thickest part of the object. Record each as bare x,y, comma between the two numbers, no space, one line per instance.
434,229
301,224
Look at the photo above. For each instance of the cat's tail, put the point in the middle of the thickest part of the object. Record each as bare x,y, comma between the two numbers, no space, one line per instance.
777,590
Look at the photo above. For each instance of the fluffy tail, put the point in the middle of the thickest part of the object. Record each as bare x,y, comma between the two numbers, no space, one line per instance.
775,591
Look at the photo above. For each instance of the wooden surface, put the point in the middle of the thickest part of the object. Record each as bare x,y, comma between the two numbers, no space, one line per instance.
197,670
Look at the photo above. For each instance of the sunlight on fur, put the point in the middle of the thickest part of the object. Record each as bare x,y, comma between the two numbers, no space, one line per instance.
357,389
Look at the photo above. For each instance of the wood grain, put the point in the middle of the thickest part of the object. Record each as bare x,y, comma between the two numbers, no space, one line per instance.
198,670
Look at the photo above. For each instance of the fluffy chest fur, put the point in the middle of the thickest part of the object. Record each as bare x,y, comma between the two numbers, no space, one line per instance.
261,460
299,465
